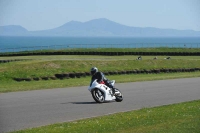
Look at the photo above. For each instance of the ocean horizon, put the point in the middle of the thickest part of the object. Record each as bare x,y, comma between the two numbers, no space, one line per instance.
20,43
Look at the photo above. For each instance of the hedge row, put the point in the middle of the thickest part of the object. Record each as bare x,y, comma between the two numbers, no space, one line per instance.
6,61
84,74
106,53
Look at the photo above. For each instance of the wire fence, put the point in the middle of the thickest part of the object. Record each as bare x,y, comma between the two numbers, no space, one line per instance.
87,46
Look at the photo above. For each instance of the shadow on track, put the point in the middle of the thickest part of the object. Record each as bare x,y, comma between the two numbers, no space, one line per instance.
84,103
91,102
80,103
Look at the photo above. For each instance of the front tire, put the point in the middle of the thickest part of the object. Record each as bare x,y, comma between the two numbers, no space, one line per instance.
98,95
119,97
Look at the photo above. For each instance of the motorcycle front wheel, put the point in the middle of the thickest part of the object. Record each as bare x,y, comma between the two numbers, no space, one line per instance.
119,96
98,95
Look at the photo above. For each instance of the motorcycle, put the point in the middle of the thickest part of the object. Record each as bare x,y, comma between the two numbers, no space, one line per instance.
102,93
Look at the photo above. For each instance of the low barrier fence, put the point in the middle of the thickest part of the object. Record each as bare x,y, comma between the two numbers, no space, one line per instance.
104,53
7,61
84,74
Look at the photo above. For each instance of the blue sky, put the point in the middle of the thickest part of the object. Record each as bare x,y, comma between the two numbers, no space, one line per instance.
48,14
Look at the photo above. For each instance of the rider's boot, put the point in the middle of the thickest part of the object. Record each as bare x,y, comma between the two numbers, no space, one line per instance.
113,90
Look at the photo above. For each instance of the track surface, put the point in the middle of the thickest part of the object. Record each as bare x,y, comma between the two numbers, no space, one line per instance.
21,110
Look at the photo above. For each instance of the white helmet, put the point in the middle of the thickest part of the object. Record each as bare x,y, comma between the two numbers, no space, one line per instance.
93,70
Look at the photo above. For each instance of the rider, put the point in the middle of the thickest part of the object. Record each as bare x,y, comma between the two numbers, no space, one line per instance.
101,78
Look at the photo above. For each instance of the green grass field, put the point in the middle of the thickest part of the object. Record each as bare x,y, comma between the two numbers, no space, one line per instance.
41,66
13,86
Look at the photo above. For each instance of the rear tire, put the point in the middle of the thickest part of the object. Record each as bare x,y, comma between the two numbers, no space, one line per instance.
119,97
98,95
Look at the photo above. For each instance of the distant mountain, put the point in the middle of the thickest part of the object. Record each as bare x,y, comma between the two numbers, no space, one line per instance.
98,27
13,30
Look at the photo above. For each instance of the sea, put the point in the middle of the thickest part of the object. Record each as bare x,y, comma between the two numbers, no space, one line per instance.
20,43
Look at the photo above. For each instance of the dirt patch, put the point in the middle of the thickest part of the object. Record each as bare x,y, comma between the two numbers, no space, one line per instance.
51,65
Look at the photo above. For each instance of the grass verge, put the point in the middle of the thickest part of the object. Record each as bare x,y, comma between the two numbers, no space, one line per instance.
12,86
48,66
42,68
176,118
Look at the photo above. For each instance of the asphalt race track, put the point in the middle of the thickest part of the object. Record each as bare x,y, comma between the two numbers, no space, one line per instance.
21,110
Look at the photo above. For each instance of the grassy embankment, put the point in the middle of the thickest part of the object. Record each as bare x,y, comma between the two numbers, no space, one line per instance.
176,118
40,66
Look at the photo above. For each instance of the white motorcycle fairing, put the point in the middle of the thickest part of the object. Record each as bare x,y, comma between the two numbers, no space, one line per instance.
105,89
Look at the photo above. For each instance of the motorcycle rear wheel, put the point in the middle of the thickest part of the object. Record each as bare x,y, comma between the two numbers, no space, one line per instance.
98,95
